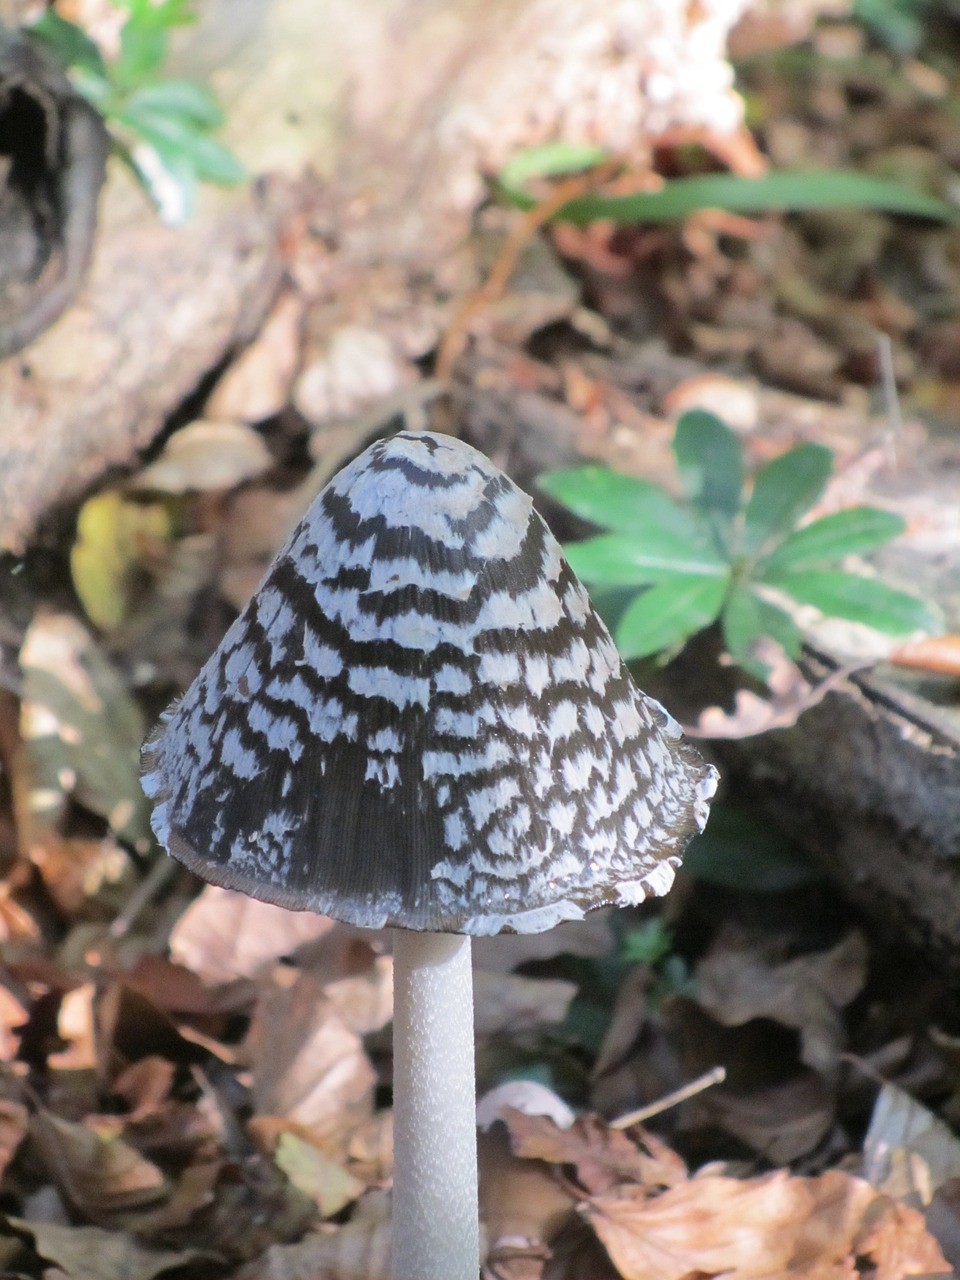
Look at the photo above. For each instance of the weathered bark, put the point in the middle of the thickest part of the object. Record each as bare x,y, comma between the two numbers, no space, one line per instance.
399,104
159,311
868,782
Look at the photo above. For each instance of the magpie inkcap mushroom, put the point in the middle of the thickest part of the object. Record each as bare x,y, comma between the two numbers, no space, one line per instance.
420,721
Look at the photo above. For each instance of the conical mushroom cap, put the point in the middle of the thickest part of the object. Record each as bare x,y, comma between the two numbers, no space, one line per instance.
419,720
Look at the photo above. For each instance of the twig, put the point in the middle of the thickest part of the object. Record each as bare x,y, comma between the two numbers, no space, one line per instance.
716,1075
523,230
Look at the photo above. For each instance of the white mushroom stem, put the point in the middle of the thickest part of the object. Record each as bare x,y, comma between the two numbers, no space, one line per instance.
435,1215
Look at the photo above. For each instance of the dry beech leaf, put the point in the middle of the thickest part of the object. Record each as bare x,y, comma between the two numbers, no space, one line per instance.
207,456
791,696
896,1240
81,730
179,991
321,1179
358,1251
630,1013
14,1123
781,1122
521,1201
145,1086
370,1147
589,938
75,1026
82,1252
938,654
603,1157
363,1002
808,992
358,369
767,1228
225,935
305,1063
735,400
102,1177
508,1004
13,1016
908,1150
257,384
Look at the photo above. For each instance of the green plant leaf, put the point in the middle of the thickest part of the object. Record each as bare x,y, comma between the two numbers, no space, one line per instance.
615,559
69,43
746,617
710,462
794,190
785,488
858,599
833,536
666,615
143,48
623,503
181,98
179,144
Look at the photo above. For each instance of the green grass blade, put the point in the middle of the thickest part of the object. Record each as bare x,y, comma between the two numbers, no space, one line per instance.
858,599
793,190
666,615
551,160
616,560
830,538
785,488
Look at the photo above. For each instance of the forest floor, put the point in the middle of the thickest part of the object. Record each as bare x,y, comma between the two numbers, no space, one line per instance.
198,1085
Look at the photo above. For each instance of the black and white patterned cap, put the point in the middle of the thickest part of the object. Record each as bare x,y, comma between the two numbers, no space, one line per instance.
419,720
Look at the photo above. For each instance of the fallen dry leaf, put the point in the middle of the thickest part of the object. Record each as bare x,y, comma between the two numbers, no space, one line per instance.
781,1122
895,1238
603,1157
588,938
766,1228
364,1001
908,1150
103,1177
358,1251
522,1202
358,368
14,1123
510,1004
630,1013
83,1252
305,1063
257,384
323,1180
207,456
808,992
225,935
939,654
791,696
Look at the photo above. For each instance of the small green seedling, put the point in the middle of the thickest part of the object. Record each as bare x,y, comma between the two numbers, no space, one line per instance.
161,128
721,555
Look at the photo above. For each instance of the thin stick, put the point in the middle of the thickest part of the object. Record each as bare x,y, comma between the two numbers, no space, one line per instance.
436,1232
716,1075
888,380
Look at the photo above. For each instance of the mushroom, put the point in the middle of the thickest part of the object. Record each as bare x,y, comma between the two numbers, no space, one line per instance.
419,721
